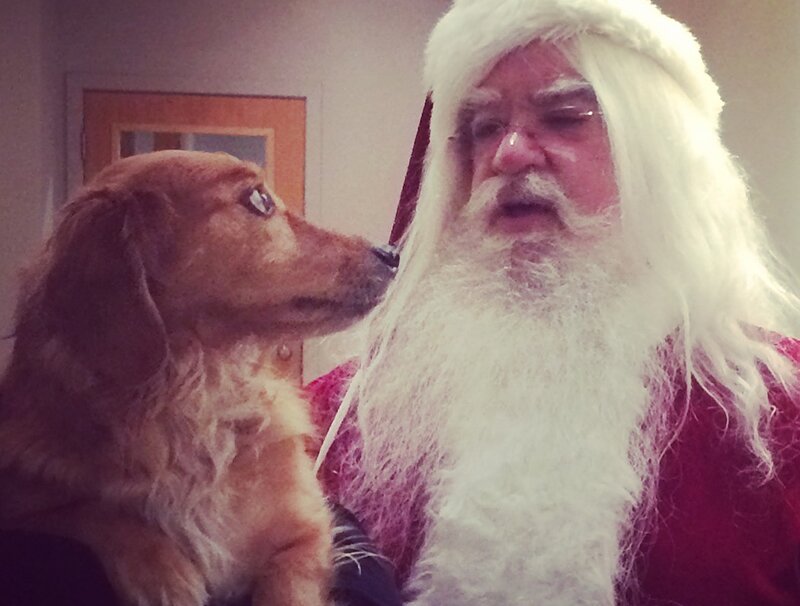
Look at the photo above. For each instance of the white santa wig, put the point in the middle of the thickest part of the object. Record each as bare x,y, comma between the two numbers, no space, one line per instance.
685,204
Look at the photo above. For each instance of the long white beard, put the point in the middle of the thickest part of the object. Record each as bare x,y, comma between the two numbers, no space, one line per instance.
519,394
539,485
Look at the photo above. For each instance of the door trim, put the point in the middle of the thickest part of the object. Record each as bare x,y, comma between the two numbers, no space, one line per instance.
77,82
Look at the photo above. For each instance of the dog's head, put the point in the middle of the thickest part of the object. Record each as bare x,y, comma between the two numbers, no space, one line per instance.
173,243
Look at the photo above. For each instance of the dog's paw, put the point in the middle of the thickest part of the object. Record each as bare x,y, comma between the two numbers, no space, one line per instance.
297,576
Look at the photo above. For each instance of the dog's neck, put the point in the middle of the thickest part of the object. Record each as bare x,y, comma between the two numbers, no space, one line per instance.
49,364
197,381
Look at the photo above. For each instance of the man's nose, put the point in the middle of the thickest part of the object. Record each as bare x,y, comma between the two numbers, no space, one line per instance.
517,152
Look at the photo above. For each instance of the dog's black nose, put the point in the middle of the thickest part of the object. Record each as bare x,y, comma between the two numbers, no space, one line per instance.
388,254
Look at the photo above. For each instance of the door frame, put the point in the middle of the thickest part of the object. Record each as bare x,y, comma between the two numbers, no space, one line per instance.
77,82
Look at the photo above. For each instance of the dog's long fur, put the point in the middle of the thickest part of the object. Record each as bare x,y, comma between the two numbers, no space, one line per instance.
139,413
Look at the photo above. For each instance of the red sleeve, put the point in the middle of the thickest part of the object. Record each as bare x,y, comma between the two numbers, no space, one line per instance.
724,535
340,469
326,392
325,395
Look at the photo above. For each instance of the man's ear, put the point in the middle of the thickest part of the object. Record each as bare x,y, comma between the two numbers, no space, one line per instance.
97,293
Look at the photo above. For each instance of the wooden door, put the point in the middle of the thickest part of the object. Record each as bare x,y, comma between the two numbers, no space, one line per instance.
267,130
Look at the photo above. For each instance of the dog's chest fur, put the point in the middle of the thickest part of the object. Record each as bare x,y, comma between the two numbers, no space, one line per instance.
206,444
192,454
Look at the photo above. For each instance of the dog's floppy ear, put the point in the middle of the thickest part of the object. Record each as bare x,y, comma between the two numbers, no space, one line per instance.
97,292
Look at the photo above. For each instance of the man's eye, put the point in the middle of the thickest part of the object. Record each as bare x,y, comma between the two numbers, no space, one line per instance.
485,128
568,117
261,203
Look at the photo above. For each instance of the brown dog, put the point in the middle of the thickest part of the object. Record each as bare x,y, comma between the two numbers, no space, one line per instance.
139,415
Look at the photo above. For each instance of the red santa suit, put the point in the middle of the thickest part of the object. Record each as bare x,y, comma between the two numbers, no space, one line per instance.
722,536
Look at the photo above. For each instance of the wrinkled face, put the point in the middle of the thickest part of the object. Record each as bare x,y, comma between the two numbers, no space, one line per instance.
534,117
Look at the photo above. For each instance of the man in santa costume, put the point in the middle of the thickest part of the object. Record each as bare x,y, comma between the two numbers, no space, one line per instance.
577,391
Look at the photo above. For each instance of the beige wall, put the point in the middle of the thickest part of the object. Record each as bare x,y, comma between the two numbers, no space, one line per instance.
365,54
752,48
30,140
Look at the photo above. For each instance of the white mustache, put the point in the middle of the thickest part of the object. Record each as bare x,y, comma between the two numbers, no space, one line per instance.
529,189
525,189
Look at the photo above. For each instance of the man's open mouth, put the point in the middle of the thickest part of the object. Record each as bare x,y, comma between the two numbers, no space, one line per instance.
523,214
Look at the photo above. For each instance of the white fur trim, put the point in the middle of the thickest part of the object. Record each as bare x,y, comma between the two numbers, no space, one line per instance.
474,34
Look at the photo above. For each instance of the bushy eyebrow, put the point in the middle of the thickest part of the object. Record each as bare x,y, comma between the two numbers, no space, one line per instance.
480,98
564,89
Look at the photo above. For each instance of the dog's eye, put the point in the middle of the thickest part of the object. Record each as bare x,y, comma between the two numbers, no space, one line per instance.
262,203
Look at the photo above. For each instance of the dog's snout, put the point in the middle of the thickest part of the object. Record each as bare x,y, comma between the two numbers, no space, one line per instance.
388,254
